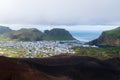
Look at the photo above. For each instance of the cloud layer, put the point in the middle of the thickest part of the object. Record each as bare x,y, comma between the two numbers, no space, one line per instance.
60,12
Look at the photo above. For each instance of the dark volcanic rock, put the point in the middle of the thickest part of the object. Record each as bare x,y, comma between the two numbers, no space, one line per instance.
57,68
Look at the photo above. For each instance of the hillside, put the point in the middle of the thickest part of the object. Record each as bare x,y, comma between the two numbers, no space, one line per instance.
108,38
57,34
33,34
26,35
4,29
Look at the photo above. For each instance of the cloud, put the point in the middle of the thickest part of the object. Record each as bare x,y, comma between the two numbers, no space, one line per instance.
60,12
69,28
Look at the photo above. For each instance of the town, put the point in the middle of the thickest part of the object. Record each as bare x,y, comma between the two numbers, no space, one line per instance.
37,48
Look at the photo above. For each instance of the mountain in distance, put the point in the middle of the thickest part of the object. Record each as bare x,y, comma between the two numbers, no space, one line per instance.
108,38
4,30
57,34
33,34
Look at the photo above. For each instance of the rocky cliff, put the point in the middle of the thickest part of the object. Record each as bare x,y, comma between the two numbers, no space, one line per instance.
108,38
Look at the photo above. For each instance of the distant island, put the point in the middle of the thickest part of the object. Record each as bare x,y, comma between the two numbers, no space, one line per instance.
108,38
33,34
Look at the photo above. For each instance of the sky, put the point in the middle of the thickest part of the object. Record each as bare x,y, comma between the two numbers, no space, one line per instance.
81,14
67,27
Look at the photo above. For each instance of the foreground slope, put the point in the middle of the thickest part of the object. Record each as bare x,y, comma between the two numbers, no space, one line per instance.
58,68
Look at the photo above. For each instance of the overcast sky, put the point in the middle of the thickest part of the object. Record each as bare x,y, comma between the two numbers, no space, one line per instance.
60,12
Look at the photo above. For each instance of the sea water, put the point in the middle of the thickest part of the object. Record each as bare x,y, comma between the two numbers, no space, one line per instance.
85,36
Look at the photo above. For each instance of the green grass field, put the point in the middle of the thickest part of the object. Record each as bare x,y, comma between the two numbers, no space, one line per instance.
102,53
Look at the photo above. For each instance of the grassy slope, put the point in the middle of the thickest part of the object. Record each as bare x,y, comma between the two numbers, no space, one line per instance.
115,33
103,53
58,34
26,35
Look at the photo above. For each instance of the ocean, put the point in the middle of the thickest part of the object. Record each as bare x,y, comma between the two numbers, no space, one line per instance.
85,36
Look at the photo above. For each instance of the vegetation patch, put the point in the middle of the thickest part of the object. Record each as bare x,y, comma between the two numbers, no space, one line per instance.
103,53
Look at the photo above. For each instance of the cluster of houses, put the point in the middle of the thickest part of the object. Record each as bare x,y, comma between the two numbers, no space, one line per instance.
41,48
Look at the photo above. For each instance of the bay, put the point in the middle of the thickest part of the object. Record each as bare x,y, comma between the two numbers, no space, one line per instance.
85,36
